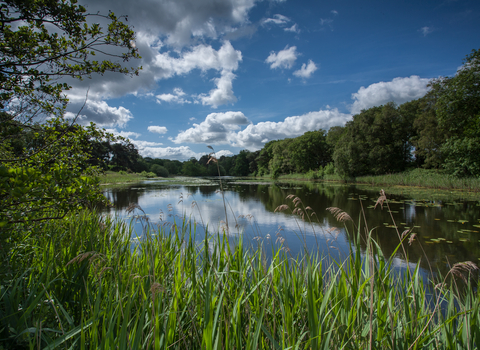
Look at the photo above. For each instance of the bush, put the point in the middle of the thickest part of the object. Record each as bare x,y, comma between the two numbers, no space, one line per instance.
148,175
314,175
159,170
329,169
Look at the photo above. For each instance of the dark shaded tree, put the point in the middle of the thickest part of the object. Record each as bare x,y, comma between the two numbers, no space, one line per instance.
309,151
375,142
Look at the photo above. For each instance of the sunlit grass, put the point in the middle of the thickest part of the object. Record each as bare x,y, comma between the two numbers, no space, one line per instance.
89,282
112,177
423,178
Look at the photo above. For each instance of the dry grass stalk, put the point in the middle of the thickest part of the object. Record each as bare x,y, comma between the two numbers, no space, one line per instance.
339,214
404,233
297,201
462,268
282,207
212,158
156,288
132,207
381,199
412,238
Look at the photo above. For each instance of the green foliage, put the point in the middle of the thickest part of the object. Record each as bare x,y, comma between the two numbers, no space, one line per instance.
193,168
159,170
376,141
148,175
428,178
49,180
430,136
458,113
42,40
462,156
309,151
458,107
45,170
241,167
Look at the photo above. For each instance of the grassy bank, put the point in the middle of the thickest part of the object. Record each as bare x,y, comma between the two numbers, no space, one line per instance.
112,178
80,284
413,178
423,178
309,176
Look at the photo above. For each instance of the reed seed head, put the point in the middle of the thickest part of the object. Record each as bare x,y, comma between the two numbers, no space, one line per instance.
381,199
282,207
412,238
462,268
339,214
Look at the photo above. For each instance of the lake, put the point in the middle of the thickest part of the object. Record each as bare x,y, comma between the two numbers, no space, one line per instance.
446,224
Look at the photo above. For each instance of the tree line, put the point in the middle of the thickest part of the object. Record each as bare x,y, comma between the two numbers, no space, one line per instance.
438,131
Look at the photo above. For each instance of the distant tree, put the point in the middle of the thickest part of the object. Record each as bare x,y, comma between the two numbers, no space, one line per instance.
264,158
281,162
429,136
174,167
193,168
241,167
375,142
227,163
159,170
458,112
309,151
252,162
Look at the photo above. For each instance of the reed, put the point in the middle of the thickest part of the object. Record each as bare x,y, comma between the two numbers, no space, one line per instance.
89,282
112,178
423,178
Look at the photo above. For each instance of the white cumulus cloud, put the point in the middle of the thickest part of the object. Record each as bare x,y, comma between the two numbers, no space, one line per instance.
215,129
283,59
254,136
399,90
145,144
181,153
176,97
223,152
181,21
157,129
306,71
100,113
223,94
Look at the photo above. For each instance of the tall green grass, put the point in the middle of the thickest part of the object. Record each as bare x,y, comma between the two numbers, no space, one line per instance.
423,178
89,283
112,177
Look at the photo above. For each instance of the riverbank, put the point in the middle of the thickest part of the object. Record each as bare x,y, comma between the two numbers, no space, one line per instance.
419,178
116,178
83,285
422,178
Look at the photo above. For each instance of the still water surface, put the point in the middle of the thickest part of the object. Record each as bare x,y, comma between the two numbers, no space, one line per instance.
447,227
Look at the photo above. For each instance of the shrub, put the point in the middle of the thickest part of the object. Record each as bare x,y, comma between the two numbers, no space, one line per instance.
159,170
147,174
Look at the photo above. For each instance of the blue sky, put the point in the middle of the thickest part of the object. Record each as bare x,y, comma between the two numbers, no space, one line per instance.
235,74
